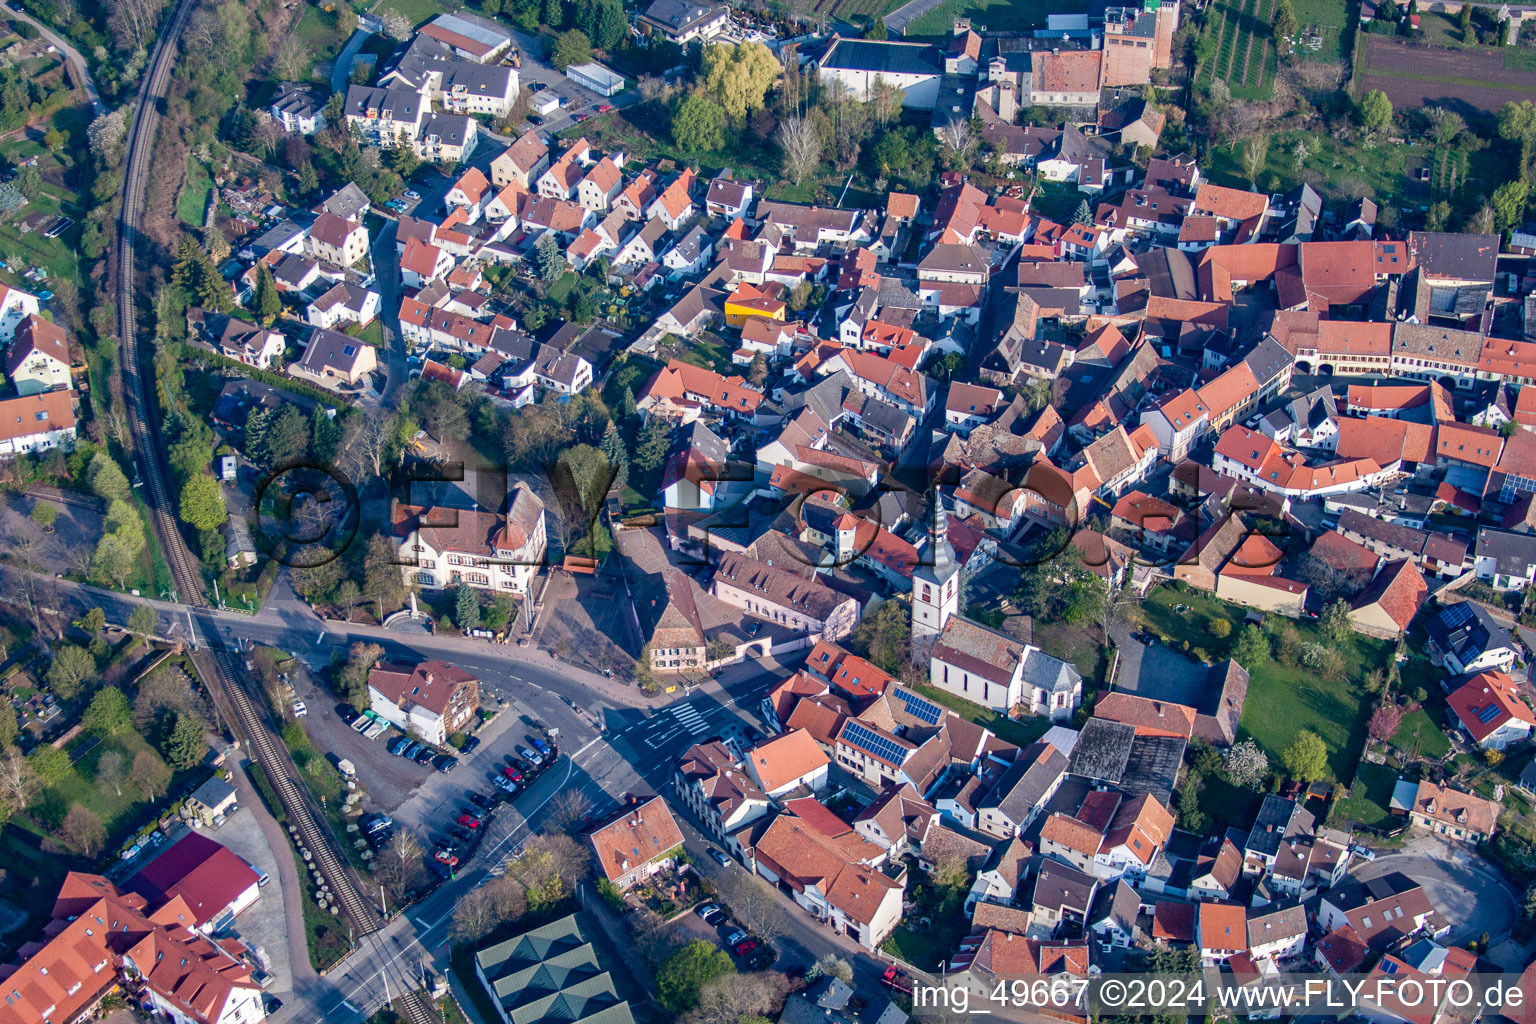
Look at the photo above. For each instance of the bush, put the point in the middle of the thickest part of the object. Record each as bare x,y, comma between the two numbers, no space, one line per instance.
457,741
611,895
1220,628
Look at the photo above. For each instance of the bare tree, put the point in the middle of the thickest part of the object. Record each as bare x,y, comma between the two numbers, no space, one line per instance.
365,450
290,60
568,809
958,142
83,830
754,903
109,769
732,997
17,779
132,21
474,915
1255,155
150,774
399,866
801,147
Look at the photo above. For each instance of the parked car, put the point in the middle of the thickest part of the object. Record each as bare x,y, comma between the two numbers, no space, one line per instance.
897,980
469,820
299,710
536,119
507,786
531,756
521,765
471,745
715,917
744,947
482,801
425,756
719,857
705,909
412,749
513,774
460,833
735,937
542,747
347,713
398,744
605,108
447,763
580,118
447,857
412,194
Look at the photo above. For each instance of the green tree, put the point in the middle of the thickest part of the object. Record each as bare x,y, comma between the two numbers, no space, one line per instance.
572,46
548,261
187,744
1306,759
1509,202
112,563
50,765
44,515
739,76
652,447
202,504
404,161
682,974
72,667
612,447
1284,26
1464,22
93,621
325,435
105,477
1334,622
466,607
1376,110
267,303
1252,647
877,30
143,621
1220,628
309,181
884,637
109,711
698,124
124,523
1517,122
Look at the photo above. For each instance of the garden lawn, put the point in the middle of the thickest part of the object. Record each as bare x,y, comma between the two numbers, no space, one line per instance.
997,15
1419,734
122,815
1190,629
417,10
1332,21
1020,733
193,201
1335,167
1283,701
1228,806
1369,802
1077,644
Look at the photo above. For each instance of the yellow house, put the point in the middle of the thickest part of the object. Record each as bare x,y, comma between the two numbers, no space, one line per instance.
749,300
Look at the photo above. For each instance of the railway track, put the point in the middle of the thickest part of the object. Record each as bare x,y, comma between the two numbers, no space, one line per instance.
262,744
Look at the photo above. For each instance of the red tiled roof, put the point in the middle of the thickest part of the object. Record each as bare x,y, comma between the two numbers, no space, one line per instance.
1488,701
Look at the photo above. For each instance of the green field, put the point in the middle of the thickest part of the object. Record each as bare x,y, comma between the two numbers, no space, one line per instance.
1420,734
1369,801
418,10
1020,733
1329,19
1245,50
193,201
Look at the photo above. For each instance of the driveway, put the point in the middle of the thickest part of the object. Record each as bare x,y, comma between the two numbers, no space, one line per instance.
1459,885
1157,671
79,70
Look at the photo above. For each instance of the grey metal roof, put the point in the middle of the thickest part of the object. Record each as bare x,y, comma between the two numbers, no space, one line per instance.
888,57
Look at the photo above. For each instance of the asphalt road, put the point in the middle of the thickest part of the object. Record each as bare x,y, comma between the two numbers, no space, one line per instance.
610,748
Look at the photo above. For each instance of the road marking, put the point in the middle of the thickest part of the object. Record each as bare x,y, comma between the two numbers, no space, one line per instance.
583,750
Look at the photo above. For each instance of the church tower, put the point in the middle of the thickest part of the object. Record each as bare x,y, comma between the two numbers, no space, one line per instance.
936,587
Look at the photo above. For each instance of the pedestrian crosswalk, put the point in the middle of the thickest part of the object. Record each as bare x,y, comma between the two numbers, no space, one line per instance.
668,726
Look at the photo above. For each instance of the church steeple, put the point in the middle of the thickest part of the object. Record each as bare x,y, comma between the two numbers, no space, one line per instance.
936,583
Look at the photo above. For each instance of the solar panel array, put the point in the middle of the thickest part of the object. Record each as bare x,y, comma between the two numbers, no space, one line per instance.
871,742
1456,614
1488,714
920,708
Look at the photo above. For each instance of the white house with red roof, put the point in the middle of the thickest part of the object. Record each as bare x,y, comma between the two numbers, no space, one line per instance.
431,700
788,762
38,356
15,305
1491,710
642,840
446,547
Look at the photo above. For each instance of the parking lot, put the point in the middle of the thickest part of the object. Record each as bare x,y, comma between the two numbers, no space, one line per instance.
750,952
